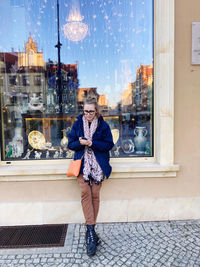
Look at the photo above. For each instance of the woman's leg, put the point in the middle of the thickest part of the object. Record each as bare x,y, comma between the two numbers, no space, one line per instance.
86,201
96,199
90,205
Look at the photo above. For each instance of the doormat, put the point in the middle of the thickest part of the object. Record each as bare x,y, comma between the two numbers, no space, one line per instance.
33,236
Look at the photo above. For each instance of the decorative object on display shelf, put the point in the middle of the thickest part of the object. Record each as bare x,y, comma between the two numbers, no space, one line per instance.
64,140
128,146
140,139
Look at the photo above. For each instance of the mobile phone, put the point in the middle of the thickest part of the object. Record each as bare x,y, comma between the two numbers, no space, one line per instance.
84,138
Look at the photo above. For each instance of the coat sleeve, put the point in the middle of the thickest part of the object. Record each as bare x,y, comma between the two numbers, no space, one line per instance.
73,139
106,142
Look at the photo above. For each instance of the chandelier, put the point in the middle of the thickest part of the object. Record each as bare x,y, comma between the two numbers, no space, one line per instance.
75,30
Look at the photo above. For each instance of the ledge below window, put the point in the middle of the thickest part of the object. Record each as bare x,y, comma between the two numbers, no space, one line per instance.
58,171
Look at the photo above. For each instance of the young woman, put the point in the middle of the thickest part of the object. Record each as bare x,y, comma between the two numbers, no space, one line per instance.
91,139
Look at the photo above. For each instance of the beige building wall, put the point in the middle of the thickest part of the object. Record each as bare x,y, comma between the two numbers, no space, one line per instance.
133,199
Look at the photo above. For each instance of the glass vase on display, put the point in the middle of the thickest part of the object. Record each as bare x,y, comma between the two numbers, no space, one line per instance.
140,139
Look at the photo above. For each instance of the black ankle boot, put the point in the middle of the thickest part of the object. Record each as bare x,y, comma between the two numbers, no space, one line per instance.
90,240
98,241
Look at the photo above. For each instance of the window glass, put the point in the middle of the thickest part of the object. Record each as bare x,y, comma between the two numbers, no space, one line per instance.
106,51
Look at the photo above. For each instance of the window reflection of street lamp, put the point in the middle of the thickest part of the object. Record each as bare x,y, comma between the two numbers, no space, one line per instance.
58,46
75,30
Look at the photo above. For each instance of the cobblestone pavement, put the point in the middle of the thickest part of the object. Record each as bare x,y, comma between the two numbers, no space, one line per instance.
174,243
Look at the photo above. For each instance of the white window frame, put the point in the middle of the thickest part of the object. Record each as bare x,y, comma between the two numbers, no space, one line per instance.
162,164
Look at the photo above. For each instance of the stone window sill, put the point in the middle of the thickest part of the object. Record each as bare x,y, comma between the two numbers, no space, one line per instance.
58,171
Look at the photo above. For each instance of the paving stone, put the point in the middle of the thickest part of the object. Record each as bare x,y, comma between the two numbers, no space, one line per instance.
43,255
57,261
22,261
50,260
29,261
155,244
77,256
43,260
19,256
7,261
36,260
66,260
71,255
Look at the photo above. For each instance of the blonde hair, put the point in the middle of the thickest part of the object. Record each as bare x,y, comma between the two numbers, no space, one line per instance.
92,100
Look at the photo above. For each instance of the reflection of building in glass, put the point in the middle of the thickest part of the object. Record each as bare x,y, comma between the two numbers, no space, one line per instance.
127,99
135,108
10,81
103,104
69,81
24,83
126,73
31,83
143,88
138,96
29,89
31,56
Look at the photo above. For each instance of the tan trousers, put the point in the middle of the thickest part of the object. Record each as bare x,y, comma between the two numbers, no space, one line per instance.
90,200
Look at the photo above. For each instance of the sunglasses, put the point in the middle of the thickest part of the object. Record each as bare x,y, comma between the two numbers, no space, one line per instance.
91,112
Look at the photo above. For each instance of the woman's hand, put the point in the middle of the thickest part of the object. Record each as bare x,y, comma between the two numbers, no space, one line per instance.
85,142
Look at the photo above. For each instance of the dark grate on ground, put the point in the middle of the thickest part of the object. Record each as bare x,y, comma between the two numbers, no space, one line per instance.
29,236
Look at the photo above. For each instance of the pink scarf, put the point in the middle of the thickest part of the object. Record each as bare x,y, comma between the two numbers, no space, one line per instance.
91,166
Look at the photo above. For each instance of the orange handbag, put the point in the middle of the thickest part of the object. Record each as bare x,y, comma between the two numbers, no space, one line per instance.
74,167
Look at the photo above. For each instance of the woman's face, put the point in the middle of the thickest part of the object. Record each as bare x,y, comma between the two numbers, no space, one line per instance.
89,111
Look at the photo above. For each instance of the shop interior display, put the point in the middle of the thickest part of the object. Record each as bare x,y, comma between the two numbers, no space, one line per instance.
41,133
104,49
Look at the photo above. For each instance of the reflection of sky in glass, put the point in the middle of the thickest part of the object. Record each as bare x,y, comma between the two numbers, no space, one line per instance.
119,39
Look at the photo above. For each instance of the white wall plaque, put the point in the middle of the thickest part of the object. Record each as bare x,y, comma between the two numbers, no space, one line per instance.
195,43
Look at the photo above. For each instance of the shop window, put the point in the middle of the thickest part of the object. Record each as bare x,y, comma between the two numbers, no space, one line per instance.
110,55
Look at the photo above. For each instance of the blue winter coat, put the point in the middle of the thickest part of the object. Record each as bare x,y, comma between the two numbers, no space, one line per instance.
102,143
